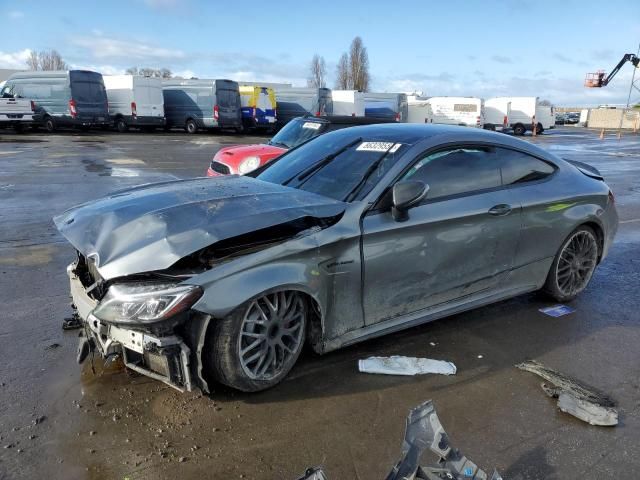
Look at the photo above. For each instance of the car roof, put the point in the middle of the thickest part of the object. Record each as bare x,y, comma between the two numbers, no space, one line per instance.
344,120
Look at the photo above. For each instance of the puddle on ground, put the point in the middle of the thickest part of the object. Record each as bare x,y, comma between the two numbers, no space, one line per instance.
96,166
28,256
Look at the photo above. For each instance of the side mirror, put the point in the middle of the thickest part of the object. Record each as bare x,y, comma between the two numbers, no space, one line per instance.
407,194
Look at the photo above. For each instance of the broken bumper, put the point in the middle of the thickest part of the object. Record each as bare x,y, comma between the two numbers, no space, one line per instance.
164,358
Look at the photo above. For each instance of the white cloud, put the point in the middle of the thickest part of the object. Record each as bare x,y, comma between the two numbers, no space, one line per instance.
16,15
103,69
185,73
14,60
127,51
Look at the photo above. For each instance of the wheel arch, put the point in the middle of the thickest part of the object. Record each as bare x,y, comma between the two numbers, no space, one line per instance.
599,231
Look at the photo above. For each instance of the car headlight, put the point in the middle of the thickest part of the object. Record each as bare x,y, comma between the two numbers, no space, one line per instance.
248,164
145,302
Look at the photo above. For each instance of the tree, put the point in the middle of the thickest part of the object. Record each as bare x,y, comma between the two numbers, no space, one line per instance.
342,73
46,60
318,75
165,73
131,71
359,65
546,103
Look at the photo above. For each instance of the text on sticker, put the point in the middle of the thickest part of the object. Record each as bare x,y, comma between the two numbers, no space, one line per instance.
311,125
374,146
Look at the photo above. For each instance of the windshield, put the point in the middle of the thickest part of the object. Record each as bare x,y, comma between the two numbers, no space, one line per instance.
338,165
296,132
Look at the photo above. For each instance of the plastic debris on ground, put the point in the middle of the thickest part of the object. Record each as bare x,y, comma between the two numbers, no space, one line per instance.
399,365
574,397
424,432
557,310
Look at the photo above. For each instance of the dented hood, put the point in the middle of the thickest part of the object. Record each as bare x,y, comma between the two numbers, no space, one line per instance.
152,226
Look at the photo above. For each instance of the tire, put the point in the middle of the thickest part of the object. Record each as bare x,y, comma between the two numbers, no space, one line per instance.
49,125
519,129
270,329
121,125
577,258
190,126
539,129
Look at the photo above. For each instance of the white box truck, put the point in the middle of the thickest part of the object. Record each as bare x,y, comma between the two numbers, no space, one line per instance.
135,101
419,111
464,111
348,102
523,110
497,112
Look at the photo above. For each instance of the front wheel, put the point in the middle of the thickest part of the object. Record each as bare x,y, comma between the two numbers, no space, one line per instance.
49,125
573,265
256,346
121,125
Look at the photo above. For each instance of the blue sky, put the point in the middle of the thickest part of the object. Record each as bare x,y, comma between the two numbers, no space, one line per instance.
453,47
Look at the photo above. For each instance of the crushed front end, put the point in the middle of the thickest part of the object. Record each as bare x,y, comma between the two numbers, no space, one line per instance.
146,320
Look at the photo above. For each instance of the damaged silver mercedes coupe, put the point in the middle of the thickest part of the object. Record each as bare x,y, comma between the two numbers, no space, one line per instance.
355,234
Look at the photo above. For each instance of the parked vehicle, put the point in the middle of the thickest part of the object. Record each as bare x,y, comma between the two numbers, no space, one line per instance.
63,99
419,111
497,112
15,112
347,102
298,102
259,106
200,104
463,111
523,110
389,106
135,101
572,118
355,234
242,159
561,118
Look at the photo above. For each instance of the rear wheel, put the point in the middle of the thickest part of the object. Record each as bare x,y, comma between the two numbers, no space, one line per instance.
190,126
519,129
539,129
573,265
256,346
49,125
121,125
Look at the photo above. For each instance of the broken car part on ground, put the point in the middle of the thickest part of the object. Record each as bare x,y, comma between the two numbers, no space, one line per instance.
424,432
226,279
574,397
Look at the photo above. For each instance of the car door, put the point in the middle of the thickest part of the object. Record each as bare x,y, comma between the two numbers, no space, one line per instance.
459,242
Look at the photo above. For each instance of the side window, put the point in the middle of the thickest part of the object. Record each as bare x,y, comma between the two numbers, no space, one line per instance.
518,167
457,171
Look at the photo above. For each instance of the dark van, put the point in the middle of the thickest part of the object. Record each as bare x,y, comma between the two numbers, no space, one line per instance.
195,104
63,99
299,102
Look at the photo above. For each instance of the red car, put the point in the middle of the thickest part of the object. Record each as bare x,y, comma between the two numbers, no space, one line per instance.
242,159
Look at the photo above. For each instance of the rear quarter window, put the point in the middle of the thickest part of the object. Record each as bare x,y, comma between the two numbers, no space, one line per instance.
518,167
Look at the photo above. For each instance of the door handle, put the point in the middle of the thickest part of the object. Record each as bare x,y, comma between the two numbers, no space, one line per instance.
500,210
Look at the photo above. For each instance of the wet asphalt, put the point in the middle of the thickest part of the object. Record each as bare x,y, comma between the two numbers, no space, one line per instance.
62,420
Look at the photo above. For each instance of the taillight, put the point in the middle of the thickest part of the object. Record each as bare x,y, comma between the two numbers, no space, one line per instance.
216,112
33,106
72,108
477,120
318,113
134,109
504,121
398,117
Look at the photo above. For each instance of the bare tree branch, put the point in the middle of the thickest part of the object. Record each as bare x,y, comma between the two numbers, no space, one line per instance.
342,73
318,72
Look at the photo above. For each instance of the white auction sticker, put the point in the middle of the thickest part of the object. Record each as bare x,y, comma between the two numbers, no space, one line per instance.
311,125
378,147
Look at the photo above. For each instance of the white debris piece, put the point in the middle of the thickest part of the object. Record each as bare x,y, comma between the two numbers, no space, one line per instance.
399,365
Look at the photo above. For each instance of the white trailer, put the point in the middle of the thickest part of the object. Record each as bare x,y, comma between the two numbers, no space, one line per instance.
348,102
135,101
497,112
464,111
419,111
523,111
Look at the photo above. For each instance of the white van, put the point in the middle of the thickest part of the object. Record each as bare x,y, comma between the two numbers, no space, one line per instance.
348,102
419,110
523,110
464,111
497,112
135,101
